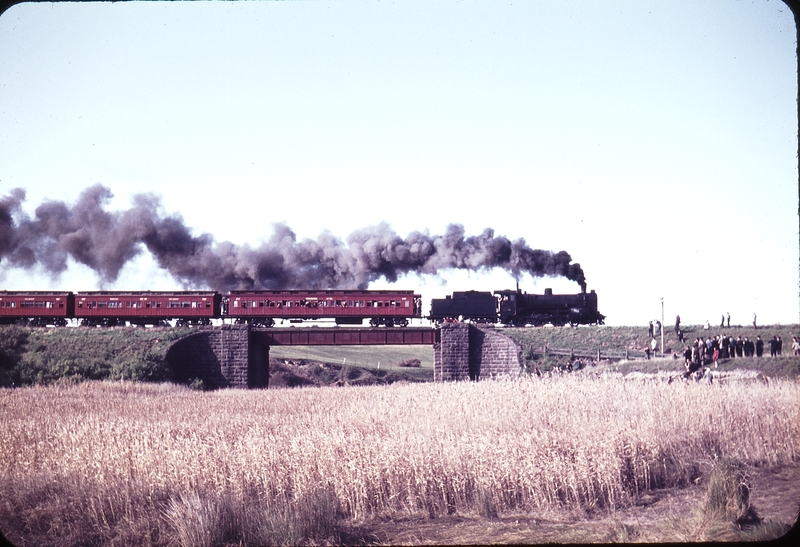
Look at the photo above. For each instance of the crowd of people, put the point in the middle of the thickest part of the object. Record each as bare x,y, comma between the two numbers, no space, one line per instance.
721,346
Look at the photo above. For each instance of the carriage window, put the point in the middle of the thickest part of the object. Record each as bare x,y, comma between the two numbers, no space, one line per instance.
158,304
48,305
102,304
406,303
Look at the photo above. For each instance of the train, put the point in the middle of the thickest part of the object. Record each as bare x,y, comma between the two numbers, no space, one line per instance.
262,308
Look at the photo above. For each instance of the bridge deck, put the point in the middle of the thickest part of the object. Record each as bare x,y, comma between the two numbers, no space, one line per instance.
346,336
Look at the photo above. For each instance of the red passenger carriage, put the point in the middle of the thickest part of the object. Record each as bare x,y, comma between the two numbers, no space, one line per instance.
36,307
147,307
262,308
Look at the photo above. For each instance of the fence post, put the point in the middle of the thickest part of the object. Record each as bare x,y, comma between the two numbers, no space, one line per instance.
544,351
598,354
626,354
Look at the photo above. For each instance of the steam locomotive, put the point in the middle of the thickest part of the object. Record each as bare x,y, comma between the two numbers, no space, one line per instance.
262,308
517,308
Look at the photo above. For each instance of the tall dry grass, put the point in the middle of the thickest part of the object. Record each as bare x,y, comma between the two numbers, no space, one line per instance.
161,464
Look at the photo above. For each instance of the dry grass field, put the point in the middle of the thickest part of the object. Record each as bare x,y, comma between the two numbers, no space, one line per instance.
121,463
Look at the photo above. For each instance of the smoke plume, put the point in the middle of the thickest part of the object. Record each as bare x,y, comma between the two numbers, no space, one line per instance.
105,241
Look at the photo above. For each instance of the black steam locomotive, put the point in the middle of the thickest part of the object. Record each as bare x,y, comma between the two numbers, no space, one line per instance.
515,307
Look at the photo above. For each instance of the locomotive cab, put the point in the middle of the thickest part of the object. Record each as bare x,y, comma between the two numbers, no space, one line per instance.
507,304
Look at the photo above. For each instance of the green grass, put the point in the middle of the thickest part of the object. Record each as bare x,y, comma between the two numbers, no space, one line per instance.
371,357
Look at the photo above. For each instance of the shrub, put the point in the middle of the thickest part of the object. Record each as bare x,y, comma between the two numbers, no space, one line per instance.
12,344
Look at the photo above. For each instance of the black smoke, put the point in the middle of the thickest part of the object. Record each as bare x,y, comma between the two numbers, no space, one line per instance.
105,241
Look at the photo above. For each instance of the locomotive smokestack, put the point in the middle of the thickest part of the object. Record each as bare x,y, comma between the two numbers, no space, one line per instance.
105,241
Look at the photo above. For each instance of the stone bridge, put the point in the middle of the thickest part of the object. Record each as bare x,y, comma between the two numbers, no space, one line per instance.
237,356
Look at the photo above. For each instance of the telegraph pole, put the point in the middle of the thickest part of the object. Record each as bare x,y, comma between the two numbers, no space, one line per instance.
662,326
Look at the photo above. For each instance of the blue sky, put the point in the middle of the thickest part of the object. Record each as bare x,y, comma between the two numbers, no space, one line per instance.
656,142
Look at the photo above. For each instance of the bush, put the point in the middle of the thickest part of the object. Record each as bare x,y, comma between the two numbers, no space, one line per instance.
728,493
12,344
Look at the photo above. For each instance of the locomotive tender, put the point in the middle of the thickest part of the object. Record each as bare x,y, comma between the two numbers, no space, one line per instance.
517,308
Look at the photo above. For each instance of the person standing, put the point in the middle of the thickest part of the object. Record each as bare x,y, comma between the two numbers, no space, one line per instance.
773,347
759,346
780,346
677,324
653,346
729,319
650,330
754,320
722,323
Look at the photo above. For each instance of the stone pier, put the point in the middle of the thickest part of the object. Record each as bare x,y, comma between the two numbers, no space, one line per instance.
468,352
220,357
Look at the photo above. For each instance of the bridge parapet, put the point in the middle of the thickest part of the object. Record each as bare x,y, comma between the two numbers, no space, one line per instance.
344,336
